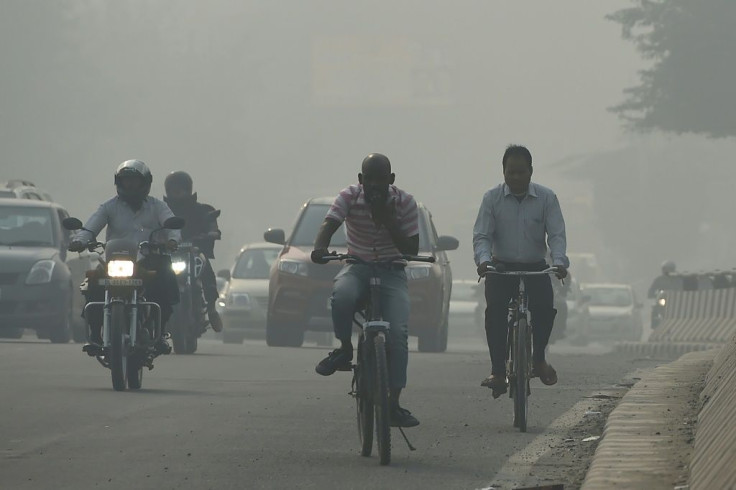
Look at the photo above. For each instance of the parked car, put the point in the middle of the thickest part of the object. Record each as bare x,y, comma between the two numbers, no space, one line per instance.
299,290
467,306
23,189
35,282
615,313
244,299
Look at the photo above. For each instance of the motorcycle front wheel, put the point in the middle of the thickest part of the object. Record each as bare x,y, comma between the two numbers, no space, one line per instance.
118,346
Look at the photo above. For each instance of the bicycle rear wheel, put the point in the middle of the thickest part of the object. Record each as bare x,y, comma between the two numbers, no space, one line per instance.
380,400
521,374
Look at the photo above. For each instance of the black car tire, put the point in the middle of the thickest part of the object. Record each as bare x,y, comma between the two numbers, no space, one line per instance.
12,333
434,339
284,335
62,333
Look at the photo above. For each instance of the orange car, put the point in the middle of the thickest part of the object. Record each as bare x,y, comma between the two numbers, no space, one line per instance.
299,290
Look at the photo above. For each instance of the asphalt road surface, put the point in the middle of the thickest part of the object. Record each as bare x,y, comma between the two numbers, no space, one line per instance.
250,416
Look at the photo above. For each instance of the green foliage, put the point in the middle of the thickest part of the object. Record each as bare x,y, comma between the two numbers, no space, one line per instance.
689,87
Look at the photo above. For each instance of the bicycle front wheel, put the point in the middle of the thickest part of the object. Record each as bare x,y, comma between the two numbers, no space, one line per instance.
380,400
521,375
364,403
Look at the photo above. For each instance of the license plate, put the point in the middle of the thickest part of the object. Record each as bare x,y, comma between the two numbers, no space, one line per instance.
121,282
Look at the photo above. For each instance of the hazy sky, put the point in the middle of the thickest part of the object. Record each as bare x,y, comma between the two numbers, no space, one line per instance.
267,104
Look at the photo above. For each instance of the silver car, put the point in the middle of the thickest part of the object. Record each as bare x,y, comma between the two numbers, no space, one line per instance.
615,313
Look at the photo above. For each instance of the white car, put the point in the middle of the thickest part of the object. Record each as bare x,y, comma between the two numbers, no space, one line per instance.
615,313
244,300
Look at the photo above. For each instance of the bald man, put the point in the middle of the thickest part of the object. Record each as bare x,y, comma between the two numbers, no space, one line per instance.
381,222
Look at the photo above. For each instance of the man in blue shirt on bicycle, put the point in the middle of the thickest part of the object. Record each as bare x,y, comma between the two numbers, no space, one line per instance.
516,223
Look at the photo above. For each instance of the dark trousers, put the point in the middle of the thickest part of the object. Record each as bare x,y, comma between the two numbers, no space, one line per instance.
209,283
162,289
499,291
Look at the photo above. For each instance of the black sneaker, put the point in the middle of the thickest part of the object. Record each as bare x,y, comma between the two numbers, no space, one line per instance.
401,417
162,346
337,360
214,317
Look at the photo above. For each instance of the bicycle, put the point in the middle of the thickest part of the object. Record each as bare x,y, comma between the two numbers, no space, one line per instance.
370,386
519,346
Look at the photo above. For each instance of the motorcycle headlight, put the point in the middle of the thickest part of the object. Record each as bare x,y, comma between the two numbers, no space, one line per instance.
418,271
41,272
179,266
293,267
661,301
120,268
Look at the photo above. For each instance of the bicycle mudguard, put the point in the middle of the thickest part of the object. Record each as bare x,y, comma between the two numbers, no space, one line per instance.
376,326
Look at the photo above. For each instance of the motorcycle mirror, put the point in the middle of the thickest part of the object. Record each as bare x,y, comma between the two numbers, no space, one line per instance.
72,224
174,223
224,273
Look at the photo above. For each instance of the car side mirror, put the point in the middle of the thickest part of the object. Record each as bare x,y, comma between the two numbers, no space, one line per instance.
174,223
446,242
224,273
275,235
72,224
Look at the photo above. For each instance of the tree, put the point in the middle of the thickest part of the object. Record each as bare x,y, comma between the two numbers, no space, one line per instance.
689,87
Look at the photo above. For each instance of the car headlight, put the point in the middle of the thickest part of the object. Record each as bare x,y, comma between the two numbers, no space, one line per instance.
293,267
418,271
120,268
41,272
661,301
239,299
179,266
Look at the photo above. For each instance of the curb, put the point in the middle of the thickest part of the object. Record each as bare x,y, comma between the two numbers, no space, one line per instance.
663,350
640,449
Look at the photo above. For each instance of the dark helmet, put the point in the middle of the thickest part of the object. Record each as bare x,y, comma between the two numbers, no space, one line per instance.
179,180
668,267
136,169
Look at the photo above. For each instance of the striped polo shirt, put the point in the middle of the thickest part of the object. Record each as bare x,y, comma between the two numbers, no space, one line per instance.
365,238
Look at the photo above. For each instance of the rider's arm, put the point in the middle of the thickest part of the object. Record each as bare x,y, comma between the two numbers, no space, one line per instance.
402,224
94,224
326,230
483,231
556,237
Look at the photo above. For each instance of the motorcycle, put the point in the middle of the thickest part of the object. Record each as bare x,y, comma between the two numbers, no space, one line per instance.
189,321
131,325
658,309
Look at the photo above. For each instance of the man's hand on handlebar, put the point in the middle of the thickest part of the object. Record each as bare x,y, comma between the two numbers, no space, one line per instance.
77,246
318,255
172,245
561,271
483,268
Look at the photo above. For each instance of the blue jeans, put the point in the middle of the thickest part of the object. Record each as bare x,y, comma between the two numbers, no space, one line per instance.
351,289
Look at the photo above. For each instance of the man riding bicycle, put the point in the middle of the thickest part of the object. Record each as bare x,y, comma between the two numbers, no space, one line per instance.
381,222
513,222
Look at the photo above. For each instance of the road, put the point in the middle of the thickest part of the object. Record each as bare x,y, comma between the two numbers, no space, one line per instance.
250,416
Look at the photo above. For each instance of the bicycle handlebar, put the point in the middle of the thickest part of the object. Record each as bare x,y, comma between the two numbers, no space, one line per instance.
354,258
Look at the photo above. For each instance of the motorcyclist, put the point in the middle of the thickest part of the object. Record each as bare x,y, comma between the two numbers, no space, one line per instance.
132,215
667,281
201,229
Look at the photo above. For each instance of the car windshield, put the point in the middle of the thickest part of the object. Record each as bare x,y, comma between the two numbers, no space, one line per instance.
608,296
308,226
463,291
26,226
255,263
